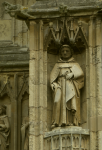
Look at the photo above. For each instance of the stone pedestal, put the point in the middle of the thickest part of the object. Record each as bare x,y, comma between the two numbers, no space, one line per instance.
70,138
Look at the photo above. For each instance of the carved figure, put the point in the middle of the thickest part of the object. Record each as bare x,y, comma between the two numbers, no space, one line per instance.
66,79
63,8
25,134
4,128
18,11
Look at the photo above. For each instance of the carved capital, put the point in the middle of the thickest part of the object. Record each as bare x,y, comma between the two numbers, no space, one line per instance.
63,9
41,24
32,23
92,18
98,21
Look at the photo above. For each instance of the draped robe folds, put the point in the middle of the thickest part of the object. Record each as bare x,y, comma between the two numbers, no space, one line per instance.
4,133
67,92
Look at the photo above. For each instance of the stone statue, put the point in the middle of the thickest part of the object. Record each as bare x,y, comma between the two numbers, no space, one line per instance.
4,128
25,134
66,79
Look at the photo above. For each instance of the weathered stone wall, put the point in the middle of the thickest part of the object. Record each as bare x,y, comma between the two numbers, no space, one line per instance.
14,94
14,68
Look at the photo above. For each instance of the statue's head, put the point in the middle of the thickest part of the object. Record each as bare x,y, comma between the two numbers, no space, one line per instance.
66,52
2,109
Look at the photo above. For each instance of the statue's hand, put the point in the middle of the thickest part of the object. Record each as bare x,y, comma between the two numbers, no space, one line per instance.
69,75
53,86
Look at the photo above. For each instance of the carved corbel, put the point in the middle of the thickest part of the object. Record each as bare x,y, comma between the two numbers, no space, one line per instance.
63,9
17,11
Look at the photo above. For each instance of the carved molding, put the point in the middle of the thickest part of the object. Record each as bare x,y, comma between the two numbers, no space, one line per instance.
52,9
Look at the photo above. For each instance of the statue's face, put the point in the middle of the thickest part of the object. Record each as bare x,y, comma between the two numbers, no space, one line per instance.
65,53
0,111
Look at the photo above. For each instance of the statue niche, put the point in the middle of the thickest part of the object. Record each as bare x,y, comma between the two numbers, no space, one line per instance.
66,79
4,128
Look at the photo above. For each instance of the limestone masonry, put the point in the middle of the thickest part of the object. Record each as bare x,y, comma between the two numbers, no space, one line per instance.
51,75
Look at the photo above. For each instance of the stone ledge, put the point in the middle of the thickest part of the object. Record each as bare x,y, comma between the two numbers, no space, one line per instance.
68,130
12,64
68,138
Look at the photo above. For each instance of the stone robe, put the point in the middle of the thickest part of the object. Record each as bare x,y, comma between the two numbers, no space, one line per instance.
67,92
4,132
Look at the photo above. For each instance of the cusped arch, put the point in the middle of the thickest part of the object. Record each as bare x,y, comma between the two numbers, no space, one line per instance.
65,35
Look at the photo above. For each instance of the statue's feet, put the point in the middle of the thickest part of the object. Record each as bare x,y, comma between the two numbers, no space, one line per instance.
57,125
54,125
70,124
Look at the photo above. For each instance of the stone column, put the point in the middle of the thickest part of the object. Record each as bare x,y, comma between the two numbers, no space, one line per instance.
99,81
87,86
37,87
14,135
92,89
15,113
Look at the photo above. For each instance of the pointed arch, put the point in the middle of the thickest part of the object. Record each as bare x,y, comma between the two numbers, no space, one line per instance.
7,89
24,88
